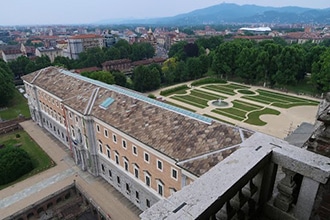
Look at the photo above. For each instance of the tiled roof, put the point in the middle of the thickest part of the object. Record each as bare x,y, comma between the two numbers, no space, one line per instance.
201,165
11,49
113,62
86,36
178,136
88,69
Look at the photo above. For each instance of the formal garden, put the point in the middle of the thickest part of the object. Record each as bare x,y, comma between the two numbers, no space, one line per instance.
246,104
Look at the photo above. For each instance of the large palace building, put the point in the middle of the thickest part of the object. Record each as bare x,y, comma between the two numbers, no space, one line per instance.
145,148
148,150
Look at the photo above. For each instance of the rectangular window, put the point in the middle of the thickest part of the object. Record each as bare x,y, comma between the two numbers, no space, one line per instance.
72,132
70,115
126,164
110,174
134,150
108,151
146,157
137,196
117,158
98,128
136,171
148,203
159,165
174,173
77,119
124,144
114,138
128,190
160,189
105,132
102,166
100,146
118,180
148,181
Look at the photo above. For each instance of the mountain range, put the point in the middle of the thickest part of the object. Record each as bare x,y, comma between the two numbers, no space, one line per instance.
233,13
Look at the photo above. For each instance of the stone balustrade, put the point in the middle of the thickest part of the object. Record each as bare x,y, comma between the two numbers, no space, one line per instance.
266,177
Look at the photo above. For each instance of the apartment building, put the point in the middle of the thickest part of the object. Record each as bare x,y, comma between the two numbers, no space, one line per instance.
80,43
146,149
50,52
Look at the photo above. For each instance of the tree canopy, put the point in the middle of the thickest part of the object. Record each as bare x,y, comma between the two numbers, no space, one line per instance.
14,163
6,84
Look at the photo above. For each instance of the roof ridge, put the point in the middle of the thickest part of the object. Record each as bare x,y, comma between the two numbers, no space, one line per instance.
91,101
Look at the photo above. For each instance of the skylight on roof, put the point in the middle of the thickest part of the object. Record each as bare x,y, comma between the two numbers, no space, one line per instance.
106,103
140,97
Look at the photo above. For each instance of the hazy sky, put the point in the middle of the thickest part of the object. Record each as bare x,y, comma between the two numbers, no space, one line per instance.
20,12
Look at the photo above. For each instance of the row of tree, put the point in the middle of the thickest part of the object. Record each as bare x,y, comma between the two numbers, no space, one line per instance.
91,57
271,62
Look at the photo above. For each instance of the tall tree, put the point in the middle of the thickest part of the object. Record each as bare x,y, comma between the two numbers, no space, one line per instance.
321,73
18,66
6,84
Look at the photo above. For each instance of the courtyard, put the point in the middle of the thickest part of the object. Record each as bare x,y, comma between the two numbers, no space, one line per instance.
273,112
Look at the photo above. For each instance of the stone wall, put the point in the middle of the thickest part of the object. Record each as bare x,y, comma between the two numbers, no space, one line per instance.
319,143
11,125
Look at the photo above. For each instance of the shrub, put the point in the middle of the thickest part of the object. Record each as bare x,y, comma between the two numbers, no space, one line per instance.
152,96
208,81
18,135
14,163
173,90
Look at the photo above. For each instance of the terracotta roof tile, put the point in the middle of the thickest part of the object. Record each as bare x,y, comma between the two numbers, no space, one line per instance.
175,135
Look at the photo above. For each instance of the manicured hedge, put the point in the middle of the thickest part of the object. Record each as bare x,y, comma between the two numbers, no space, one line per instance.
174,90
208,81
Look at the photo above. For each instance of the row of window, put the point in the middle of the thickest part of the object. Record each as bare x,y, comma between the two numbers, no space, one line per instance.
49,98
55,130
51,112
160,184
174,172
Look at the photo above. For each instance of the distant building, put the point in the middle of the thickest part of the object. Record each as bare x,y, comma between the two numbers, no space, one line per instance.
10,52
50,52
80,43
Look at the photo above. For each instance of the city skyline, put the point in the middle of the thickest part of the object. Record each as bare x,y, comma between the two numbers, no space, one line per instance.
39,12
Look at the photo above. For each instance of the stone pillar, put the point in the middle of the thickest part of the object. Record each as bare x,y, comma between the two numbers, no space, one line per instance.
306,198
286,187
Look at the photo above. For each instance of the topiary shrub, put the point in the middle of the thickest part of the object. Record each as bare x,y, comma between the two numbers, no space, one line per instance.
14,163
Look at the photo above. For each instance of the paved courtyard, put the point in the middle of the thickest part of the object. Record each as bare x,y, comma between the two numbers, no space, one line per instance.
33,189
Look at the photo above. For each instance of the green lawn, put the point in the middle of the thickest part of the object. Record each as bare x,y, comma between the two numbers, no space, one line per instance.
219,119
254,117
279,100
246,92
228,113
17,106
198,98
41,161
227,89
221,89
191,101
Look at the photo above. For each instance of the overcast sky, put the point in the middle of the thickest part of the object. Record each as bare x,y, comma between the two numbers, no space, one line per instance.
20,12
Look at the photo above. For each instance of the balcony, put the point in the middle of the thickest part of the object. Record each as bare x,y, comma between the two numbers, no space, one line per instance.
265,179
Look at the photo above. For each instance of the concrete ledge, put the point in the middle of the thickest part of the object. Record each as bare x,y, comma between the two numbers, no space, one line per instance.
212,189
